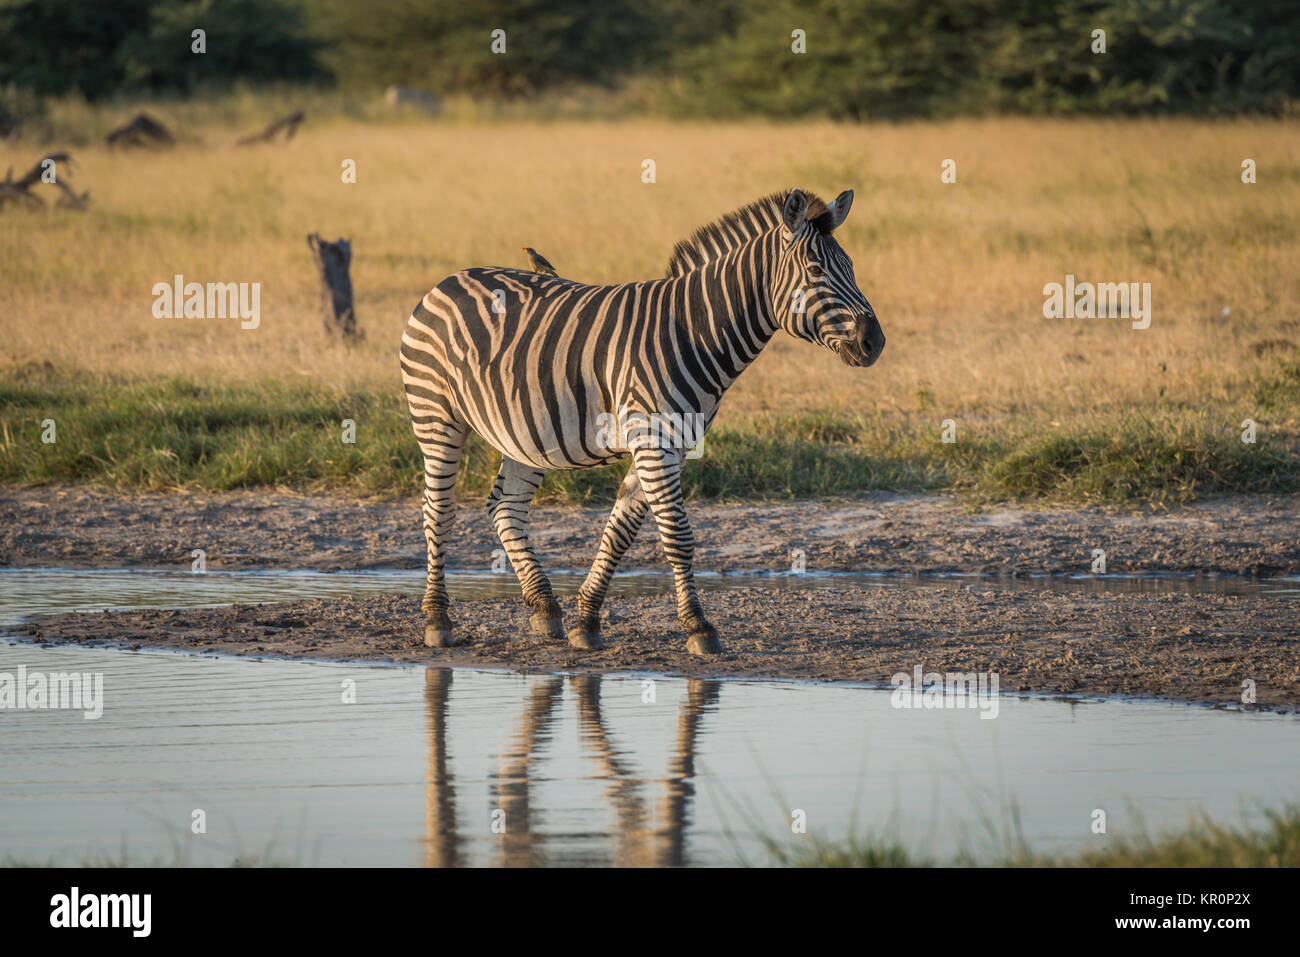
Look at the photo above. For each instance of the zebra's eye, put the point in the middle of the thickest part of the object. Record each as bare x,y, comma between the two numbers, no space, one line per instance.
816,271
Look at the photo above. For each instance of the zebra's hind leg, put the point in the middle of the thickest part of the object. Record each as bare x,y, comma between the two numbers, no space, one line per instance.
660,473
507,507
620,530
441,442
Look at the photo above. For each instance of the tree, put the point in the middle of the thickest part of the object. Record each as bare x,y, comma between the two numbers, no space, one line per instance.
53,46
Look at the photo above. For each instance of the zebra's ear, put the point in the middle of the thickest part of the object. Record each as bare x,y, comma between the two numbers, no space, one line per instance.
796,209
839,208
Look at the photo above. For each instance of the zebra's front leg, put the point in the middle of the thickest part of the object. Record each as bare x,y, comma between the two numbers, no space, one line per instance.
659,472
507,507
620,531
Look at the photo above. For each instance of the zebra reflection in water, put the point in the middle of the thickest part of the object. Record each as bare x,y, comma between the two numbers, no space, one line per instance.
642,839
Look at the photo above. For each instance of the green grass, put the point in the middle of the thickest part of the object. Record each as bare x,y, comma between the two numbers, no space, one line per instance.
1202,843
1279,391
168,433
1152,458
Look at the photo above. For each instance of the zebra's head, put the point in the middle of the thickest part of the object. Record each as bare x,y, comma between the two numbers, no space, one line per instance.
814,294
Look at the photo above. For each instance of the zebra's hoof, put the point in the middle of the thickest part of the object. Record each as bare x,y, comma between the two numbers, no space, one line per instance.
438,636
585,640
704,642
547,625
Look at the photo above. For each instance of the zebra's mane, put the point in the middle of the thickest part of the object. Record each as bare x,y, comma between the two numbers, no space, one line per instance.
734,230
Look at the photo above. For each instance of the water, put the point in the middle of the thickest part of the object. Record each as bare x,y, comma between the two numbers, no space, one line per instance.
28,591
427,765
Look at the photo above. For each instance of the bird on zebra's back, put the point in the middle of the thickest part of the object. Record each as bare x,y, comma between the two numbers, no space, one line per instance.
540,263
559,375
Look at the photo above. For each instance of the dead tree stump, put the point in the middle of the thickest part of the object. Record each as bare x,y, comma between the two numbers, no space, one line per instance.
332,262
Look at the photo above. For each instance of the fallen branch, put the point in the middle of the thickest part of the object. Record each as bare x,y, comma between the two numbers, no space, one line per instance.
19,190
143,130
289,124
69,199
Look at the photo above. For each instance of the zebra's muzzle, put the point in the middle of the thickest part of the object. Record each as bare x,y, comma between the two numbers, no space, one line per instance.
865,347
871,339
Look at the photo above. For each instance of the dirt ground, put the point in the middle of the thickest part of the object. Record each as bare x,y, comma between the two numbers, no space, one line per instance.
1197,647
77,528
1178,646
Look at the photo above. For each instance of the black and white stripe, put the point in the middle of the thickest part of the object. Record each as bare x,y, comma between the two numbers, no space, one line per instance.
536,365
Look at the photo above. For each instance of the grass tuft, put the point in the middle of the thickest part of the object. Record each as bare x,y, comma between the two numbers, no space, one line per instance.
1201,843
1162,458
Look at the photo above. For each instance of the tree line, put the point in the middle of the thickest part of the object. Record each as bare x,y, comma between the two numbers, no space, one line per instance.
847,59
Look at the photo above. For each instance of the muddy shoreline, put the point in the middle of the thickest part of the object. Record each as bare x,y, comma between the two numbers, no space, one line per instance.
80,528
1181,647
1193,647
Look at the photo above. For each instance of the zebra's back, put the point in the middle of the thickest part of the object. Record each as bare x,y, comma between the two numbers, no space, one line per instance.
531,362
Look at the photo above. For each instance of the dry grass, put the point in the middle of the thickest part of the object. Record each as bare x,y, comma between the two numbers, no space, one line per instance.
955,272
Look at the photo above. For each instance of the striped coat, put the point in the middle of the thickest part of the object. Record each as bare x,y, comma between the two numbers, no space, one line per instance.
557,374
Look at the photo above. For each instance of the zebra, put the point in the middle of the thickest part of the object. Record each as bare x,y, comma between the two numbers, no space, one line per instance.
538,366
